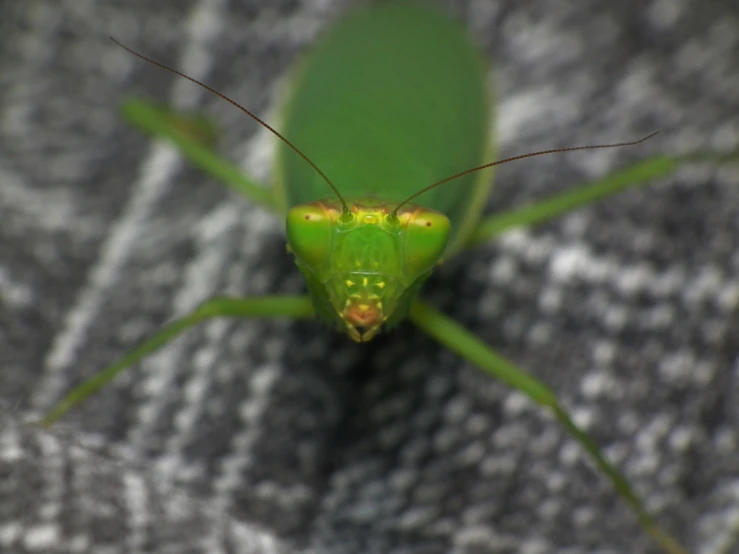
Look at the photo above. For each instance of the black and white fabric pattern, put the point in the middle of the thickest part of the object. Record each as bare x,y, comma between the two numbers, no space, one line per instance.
277,436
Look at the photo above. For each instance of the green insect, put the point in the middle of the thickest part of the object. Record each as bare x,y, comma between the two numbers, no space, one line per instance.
378,172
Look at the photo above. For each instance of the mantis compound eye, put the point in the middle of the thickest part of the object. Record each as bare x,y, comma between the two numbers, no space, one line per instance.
427,234
309,233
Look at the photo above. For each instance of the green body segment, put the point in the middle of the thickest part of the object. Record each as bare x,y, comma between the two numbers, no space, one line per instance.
392,99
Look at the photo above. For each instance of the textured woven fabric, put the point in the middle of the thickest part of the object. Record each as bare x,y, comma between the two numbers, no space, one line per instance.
263,437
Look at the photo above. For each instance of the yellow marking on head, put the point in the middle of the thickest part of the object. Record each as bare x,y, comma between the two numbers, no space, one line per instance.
364,281
369,219
381,284
349,283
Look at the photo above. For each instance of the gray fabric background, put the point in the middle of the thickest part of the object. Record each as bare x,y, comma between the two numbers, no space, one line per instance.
283,437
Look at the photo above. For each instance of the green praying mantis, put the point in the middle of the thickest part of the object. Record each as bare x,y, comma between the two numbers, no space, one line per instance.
380,173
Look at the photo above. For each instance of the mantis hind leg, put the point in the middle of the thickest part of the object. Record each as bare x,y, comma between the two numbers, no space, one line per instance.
193,137
298,307
465,344
638,174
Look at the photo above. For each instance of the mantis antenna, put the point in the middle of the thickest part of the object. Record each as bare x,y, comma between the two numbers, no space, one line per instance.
255,117
328,181
514,158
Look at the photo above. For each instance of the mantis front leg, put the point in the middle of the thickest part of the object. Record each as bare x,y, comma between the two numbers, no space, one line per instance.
465,344
295,306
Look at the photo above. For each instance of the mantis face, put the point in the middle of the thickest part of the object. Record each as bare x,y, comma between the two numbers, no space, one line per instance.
362,265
